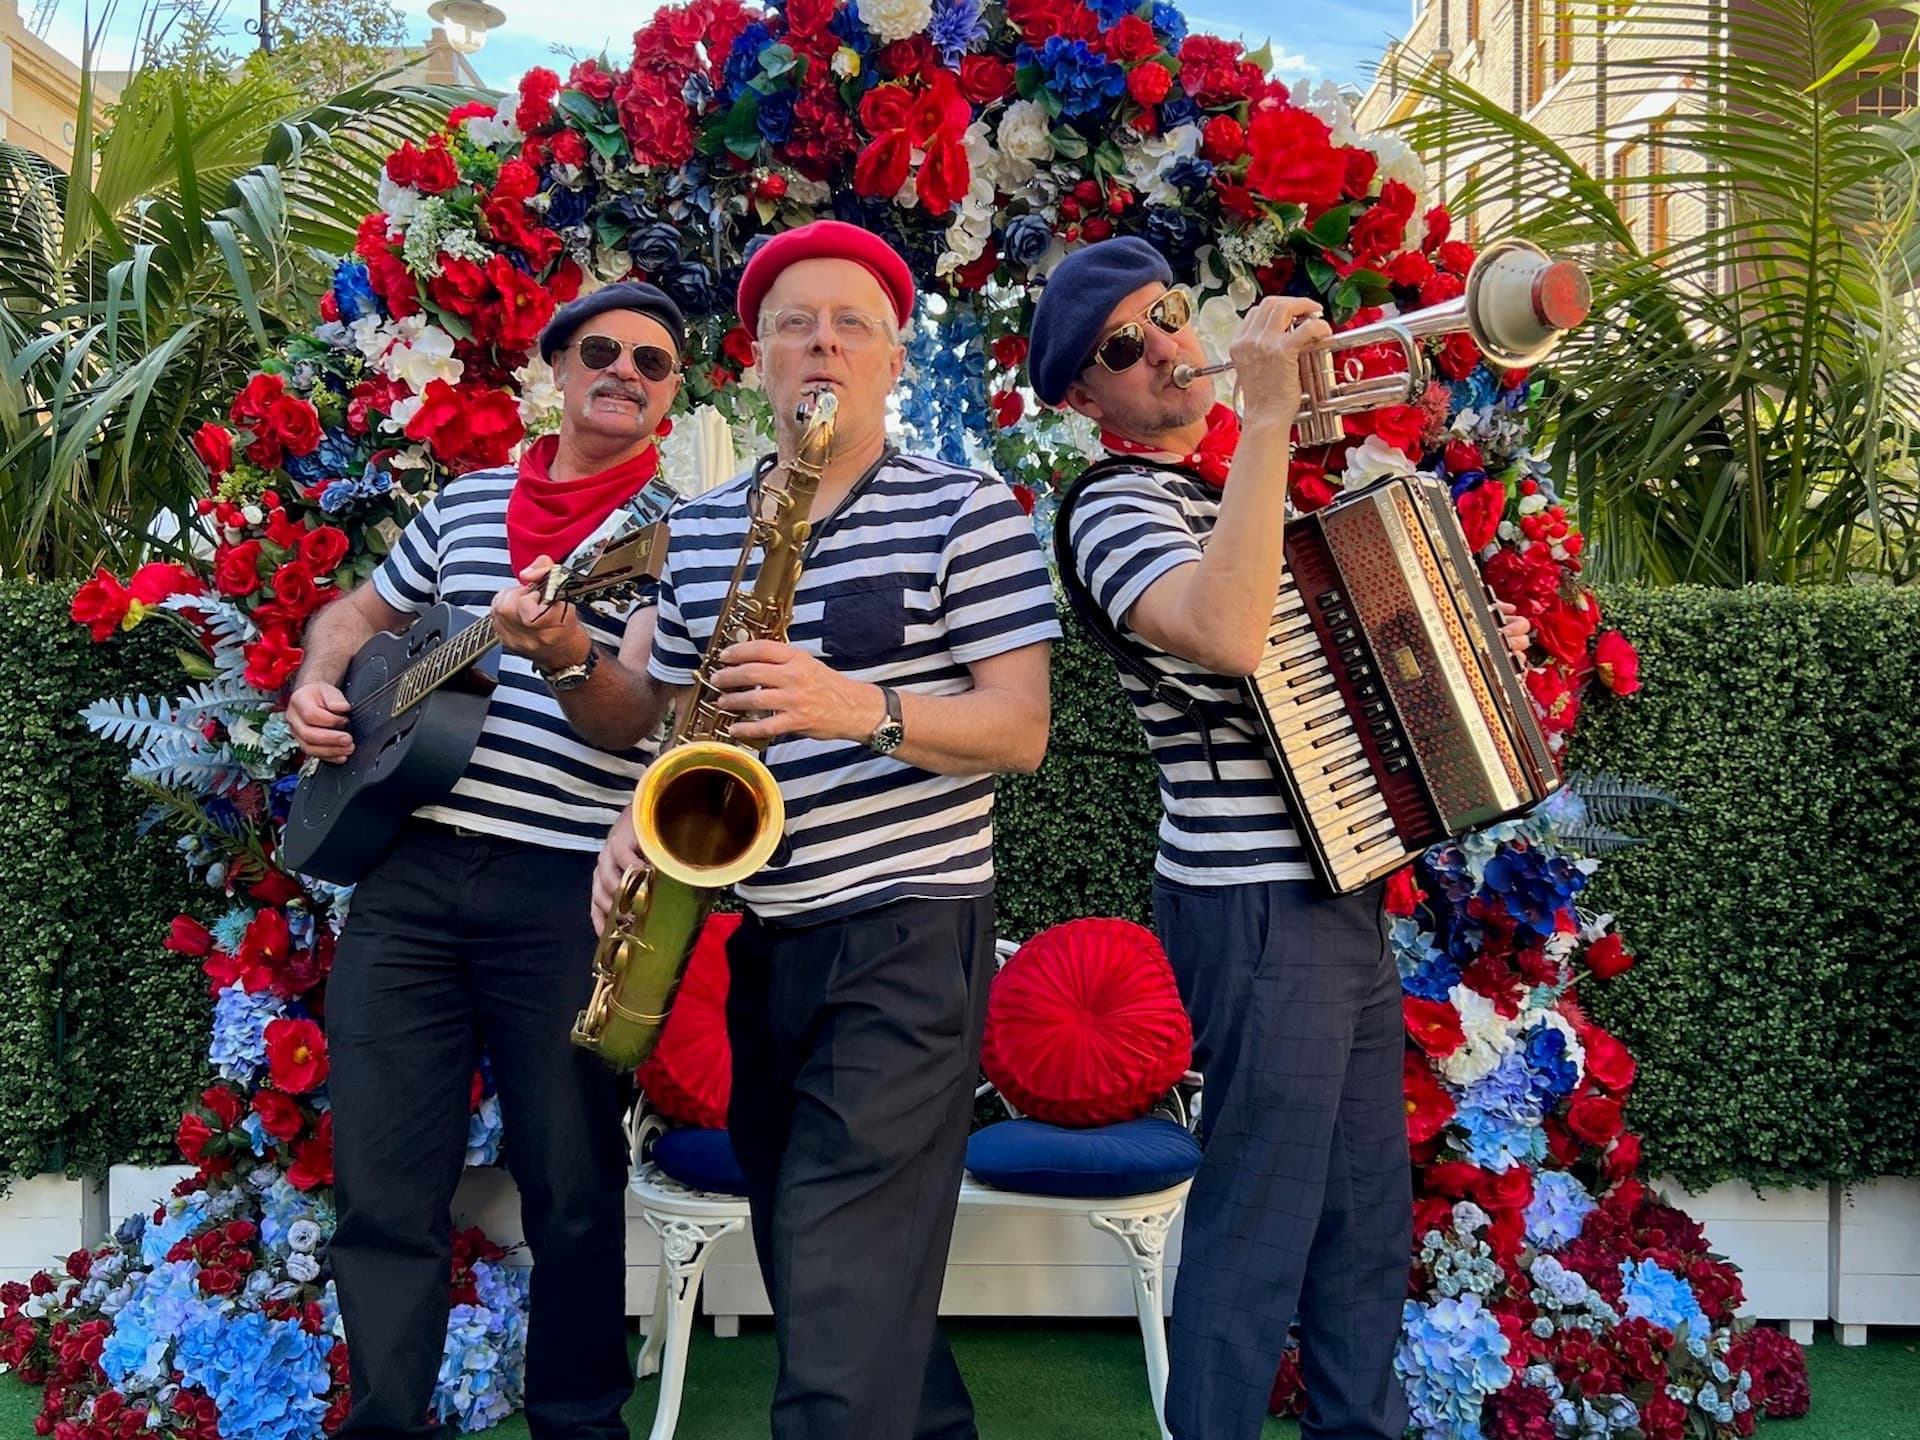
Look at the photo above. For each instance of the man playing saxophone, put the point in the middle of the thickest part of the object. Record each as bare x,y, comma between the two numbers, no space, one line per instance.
914,671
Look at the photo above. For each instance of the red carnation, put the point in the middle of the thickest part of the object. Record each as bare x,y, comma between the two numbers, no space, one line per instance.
569,149
1596,1119
655,120
1617,663
272,660
524,306
1223,141
236,569
1409,271
1214,73
1458,355
1440,287
460,288
823,133
1455,256
1434,1025
296,1055
1480,511
101,604
1149,84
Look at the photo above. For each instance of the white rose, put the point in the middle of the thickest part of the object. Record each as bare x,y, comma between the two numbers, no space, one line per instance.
303,1267
896,19
1025,131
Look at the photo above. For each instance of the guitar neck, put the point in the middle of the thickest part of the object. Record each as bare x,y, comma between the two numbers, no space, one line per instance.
428,674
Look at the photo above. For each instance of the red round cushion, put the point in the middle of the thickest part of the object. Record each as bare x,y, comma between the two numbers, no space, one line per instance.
689,1075
1085,1025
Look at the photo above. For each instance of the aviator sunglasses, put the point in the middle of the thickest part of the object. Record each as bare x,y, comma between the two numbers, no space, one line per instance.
1123,346
597,352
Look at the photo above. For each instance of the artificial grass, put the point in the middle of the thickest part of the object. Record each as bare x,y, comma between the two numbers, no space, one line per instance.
1085,1381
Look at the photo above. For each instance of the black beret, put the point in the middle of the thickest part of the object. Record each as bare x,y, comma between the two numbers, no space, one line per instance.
1079,295
635,295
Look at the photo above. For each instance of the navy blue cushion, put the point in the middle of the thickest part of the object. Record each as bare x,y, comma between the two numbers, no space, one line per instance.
1130,1158
701,1159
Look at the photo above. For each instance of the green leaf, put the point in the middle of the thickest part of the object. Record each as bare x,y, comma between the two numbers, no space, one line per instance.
1372,286
609,140
1323,275
580,106
1068,143
1331,228
1029,80
776,60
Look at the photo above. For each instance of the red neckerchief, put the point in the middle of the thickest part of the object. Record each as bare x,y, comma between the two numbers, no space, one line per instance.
550,517
1210,460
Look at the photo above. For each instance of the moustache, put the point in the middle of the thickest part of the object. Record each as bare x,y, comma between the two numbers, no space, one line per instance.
621,388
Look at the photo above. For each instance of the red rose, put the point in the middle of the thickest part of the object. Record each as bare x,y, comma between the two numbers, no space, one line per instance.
1608,957
1596,1119
737,346
1458,355
1462,456
403,165
1129,40
1607,1059
293,587
192,1137
1434,1025
1617,663
1403,892
272,660
1439,225
313,1159
1223,141
280,1115
1440,288
1480,510
1009,350
1148,83
101,605
219,1280
257,397
236,569
296,1055
322,549
1622,1158
1361,164
224,1104
1429,1106
985,79
214,445
435,173
467,429
1509,1190
1308,487
296,425
1023,497
1293,158
1401,426
394,284
1376,234
1409,271
188,937
1008,407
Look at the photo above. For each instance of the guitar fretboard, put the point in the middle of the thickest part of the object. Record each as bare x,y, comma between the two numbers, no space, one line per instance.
428,675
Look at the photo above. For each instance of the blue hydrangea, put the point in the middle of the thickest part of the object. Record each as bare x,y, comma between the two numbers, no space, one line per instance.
1535,883
1112,12
1553,1070
334,456
743,61
946,403
483,1367
1081,80
269,1377
956,28
239,1048
1168,20
353,291
1477,392
484,1132
1651,1293
1559,1207
160,1303
1451,1357
1426,971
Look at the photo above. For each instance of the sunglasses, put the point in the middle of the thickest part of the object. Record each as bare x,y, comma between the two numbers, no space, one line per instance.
598,352
1122,347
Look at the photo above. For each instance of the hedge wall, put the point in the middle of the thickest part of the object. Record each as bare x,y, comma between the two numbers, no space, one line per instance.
1777,929
101,1030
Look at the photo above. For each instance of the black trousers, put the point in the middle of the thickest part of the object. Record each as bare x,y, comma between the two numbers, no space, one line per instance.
856,1049
1303,1204
455,941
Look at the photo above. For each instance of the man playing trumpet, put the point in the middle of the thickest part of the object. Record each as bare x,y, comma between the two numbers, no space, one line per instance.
914,671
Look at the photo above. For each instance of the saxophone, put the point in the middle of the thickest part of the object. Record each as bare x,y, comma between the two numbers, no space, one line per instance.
707,812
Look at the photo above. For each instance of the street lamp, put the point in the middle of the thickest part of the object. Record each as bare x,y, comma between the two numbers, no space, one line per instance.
466,22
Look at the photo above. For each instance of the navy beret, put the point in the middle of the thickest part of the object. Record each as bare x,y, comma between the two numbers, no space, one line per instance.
635,295
1079,295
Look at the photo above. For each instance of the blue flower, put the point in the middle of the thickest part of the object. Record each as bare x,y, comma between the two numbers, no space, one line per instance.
1451,1357
239,1047
1178,109
353,291
691,286
1426,972
654,247
161,1303
1189,175
775,117
483,1365
1168,20
483,1132
956,28
1651,1293
334,455
1554,1072
1559,1207
1025,239
269,1377
1081,80
1112,12
1476,392
743,61
1566,1287
568,207
1176,234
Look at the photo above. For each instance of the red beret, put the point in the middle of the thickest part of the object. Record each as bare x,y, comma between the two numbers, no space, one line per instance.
825,240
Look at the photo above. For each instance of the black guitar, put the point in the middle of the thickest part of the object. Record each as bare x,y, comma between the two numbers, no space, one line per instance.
418,701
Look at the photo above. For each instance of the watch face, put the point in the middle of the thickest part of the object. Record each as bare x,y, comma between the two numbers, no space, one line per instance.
886,739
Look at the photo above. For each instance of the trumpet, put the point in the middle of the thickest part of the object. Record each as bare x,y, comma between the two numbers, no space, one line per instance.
1518,303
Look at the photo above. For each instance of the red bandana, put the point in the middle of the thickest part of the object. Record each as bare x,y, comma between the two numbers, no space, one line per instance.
1210,460
550,517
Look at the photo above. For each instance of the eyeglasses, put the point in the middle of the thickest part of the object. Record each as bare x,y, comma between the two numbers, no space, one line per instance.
1122,347
597,352
797,325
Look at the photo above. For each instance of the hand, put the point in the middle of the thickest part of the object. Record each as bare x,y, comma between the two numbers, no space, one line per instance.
317,716
550,635
1267,353
619,855
790,692
1515,627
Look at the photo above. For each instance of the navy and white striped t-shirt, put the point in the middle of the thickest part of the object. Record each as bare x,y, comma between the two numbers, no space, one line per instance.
530,778
922,570
1128,529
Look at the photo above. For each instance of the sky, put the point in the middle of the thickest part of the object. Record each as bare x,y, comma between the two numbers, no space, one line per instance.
1338,41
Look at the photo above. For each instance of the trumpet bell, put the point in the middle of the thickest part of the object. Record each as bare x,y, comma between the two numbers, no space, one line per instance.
1520,301
708,814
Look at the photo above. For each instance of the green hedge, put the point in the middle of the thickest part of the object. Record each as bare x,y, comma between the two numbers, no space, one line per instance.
101,1030
1777,930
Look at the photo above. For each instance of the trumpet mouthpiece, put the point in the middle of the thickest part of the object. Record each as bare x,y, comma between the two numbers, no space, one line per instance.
1185,375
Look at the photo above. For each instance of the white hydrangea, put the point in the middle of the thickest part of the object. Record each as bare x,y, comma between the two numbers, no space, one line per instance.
435,232
1487,1036
401,202
1399,161
1325,101
896,19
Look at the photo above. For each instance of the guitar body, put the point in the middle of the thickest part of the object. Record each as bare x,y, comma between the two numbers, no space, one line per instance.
345,816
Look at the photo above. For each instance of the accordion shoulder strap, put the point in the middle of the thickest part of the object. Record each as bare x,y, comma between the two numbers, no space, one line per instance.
1100,625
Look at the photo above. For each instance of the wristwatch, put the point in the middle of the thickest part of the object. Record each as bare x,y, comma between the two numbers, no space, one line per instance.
571,677
888,734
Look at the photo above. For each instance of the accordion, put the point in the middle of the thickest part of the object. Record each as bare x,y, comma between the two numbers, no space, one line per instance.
1387,693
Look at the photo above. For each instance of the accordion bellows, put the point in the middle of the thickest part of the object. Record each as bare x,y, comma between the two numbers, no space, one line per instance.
1387,692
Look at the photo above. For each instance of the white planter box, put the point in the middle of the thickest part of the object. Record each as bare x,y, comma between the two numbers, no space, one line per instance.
1778,1238
45,1219
487,1197
140,1189
1875,1243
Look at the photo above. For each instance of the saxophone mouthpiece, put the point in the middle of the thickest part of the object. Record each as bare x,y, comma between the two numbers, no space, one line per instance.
817,404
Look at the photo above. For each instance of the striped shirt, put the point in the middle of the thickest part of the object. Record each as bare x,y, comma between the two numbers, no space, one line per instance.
530,777
1128,529
923,570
